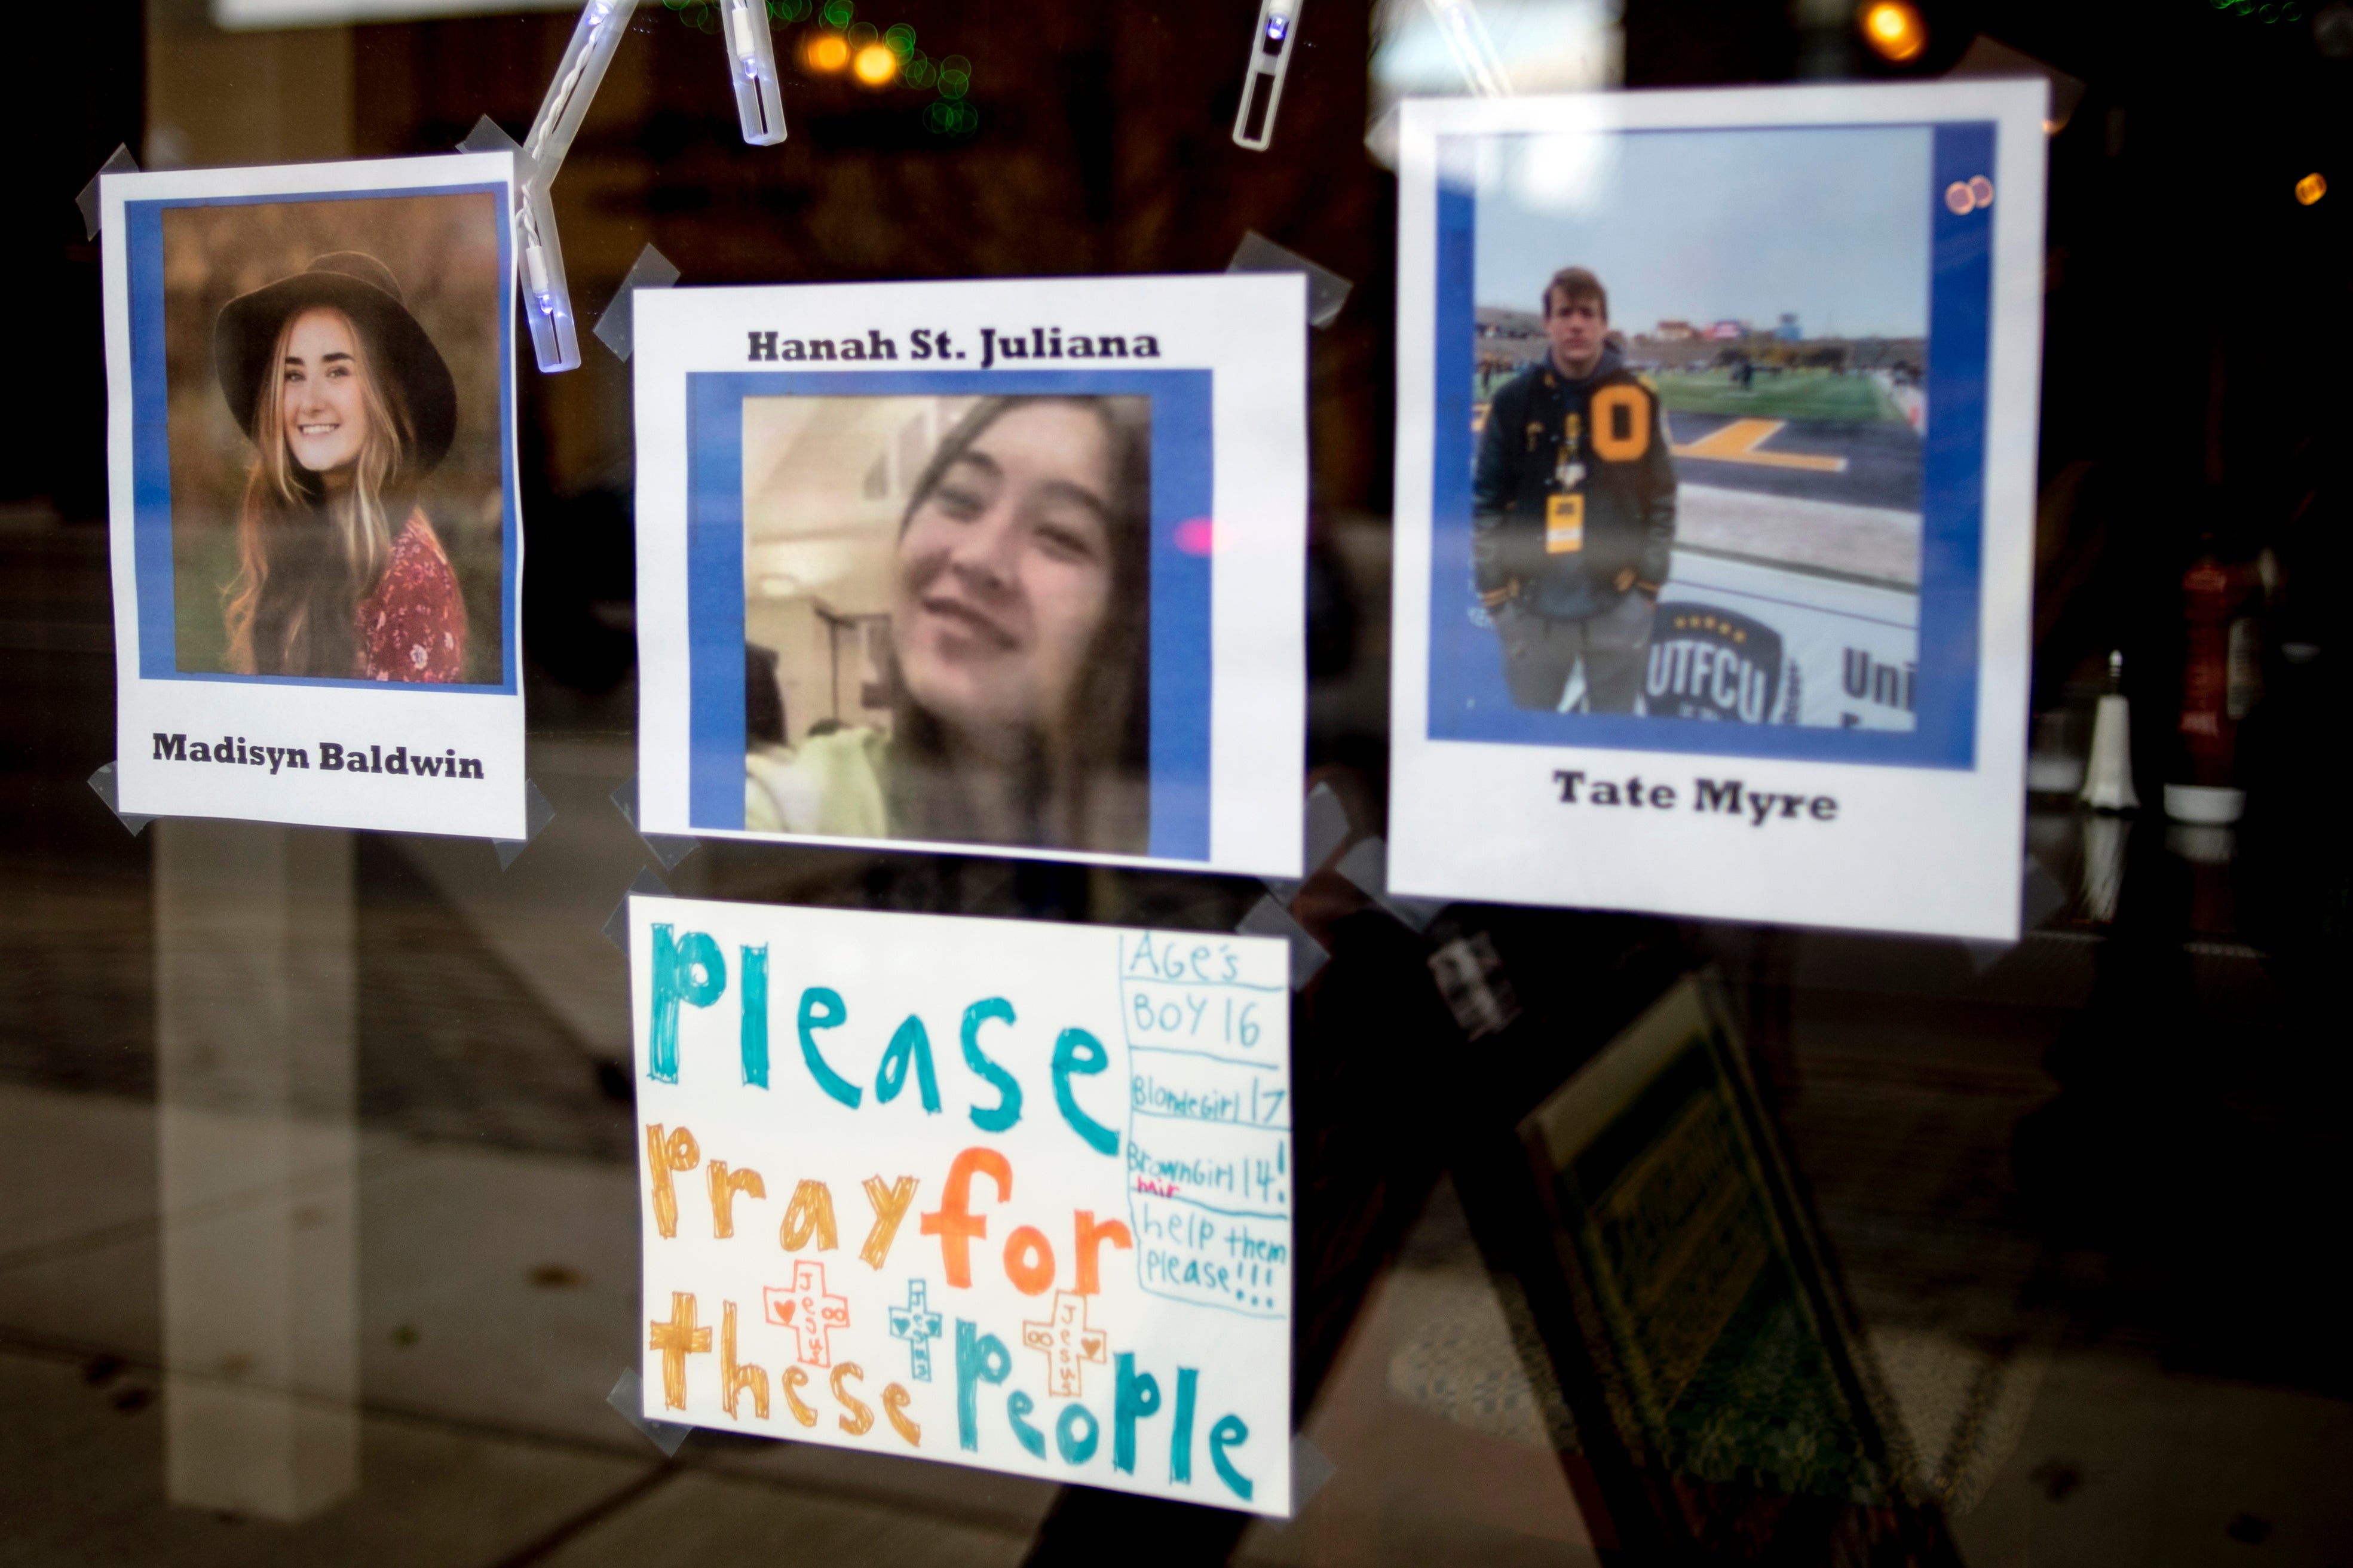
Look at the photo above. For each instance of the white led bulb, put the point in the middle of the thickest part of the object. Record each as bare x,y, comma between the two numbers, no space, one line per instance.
752,65
1278,23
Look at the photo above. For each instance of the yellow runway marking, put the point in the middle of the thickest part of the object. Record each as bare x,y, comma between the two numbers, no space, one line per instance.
1737,443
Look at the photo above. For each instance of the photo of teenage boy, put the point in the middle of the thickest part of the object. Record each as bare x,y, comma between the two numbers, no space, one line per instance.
1573,510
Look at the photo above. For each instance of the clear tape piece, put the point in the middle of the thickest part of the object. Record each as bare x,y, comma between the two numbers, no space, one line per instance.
2041,896
1327,291
1327,824
616,328
118,161
1367,866
488,136
616,925
1267,918
537,813
103,782
1311,1470
1991,57
752,67
629,1397
669,848
1270,63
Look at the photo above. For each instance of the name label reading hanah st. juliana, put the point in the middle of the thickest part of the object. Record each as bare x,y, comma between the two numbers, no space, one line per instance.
1727,797
927,343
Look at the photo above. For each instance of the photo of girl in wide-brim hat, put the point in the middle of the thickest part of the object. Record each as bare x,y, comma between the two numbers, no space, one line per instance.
349,405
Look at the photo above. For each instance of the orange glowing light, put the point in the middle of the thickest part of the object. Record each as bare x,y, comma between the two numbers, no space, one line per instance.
1894,30
827,52
875,65
2311,188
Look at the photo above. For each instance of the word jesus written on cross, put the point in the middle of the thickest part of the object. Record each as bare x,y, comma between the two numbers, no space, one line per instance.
811,1315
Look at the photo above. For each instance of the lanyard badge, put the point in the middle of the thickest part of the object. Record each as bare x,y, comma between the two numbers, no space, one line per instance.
1568,471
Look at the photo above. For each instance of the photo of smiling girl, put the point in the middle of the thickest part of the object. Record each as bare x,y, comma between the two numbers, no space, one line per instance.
997,621
335,440
348,403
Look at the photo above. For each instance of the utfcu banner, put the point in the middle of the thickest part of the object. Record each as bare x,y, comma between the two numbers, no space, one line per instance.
997,1194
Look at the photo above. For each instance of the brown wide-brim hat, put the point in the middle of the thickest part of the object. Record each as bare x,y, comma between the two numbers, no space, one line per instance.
364,289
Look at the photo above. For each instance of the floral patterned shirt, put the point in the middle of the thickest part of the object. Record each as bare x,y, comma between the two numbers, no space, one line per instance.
413,626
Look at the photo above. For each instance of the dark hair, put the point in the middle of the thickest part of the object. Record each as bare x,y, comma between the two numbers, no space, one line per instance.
763,700
1574,283
1111,728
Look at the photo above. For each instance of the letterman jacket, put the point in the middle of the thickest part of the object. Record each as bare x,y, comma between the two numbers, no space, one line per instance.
1627,491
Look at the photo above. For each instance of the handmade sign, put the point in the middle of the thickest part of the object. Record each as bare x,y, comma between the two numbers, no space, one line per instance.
997,564
994,1193
1715,502
316,542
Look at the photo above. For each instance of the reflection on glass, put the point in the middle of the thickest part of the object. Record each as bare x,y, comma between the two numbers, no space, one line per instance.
254,1035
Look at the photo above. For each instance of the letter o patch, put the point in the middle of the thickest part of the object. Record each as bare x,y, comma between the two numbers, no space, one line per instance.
1622,423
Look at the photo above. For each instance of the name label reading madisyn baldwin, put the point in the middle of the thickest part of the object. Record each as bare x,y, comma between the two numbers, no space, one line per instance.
238,751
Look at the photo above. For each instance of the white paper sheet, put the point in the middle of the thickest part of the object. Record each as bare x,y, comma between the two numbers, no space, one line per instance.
427,736
991,1192
788,449
1831,293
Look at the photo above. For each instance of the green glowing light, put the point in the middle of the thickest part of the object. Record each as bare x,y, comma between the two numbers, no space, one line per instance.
900,38
789,10
920,71
954,84
957,63
838,13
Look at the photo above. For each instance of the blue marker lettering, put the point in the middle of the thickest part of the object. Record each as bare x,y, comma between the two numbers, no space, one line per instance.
690,970
1229,1433
1077,1052
980,1358
910,1043
822,1008
1007,1109
1137,1396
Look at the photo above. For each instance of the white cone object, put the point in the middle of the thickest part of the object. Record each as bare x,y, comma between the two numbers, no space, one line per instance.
2108,782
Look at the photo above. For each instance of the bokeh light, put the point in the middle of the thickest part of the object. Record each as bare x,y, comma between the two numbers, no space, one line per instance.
827,52
2312,188
874,65
1894,30
838,13
920,71
900,39
859,35
944,118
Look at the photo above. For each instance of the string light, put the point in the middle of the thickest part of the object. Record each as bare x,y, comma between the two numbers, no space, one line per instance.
875,65
2311,188
827,52
1894,30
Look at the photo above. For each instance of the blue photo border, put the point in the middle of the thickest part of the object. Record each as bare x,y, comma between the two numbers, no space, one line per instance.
1183,490
1468,699
151,460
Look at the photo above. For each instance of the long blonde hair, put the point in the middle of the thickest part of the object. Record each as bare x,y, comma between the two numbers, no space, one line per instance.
304,561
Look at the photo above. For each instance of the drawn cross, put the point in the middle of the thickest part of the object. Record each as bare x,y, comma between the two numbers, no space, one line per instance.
1066,1342
810,1312
918,1327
